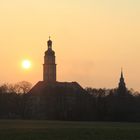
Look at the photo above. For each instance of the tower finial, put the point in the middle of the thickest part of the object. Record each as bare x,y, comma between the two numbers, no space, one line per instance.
121,72
49,43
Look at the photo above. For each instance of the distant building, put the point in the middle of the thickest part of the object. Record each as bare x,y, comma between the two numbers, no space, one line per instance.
50,99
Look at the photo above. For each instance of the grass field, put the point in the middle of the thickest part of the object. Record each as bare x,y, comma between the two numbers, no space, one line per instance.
56,130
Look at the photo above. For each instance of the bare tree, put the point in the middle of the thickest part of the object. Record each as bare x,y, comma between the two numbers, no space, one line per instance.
22,87
7,88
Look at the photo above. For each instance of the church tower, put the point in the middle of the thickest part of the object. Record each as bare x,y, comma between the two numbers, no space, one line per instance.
122,90
49,66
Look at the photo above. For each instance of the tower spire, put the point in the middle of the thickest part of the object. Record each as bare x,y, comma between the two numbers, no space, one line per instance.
49,66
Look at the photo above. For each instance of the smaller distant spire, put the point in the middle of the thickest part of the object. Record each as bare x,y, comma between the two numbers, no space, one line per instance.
122,87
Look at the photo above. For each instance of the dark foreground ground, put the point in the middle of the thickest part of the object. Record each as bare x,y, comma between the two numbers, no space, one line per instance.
55,130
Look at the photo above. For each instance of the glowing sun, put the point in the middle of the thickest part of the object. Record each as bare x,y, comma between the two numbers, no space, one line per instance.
26,64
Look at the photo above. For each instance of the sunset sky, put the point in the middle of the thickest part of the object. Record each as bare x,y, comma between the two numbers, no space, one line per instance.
92,39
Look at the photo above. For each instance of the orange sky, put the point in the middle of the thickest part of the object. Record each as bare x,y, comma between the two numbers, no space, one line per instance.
92,39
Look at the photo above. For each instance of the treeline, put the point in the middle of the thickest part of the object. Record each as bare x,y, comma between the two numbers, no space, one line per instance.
93,105
12,100
111,106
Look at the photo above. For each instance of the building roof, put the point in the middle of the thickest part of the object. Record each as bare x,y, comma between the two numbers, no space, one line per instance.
44,88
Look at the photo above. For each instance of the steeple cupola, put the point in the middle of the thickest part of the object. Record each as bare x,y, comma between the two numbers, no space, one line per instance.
49,43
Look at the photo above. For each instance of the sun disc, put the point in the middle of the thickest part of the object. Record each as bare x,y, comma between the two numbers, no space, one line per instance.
26,64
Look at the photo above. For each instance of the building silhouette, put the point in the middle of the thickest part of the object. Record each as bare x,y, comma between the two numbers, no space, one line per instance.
50,99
